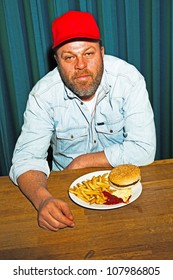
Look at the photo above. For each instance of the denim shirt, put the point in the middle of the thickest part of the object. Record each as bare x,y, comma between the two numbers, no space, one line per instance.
122,124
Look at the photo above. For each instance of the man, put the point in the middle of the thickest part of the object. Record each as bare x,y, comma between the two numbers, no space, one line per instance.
93,110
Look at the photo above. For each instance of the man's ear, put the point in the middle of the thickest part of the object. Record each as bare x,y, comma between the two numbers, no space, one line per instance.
55,56
102,51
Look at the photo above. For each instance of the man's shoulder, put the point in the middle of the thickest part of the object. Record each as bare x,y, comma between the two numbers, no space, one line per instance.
115,66
110,60
47,84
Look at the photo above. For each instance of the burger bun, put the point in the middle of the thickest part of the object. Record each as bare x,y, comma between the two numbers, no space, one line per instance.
124,176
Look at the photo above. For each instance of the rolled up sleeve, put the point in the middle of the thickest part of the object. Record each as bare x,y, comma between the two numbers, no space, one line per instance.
139,145
31,149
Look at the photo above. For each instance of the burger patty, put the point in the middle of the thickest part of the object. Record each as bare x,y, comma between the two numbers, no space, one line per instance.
123,186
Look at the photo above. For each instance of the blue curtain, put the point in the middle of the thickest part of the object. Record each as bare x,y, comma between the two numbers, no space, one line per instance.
139,31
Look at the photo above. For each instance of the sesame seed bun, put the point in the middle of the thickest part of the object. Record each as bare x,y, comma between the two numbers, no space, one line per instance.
124,176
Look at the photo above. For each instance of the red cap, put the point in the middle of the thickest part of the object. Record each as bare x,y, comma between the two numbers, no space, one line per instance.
74,25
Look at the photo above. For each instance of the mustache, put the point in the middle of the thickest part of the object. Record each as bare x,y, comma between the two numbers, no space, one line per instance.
82,73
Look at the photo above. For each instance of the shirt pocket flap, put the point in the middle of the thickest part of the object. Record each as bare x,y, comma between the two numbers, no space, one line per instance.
72,133
111,128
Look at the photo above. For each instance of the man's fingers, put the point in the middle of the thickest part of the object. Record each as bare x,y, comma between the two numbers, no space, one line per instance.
45,225
66,210
57,218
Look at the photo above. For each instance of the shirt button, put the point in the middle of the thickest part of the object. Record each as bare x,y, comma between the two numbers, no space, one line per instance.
111,130
72,136
95,141
81,103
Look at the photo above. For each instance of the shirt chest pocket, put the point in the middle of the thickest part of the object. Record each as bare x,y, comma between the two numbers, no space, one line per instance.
110,133
72,140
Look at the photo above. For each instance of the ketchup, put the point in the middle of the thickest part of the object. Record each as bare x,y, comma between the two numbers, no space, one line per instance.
112,199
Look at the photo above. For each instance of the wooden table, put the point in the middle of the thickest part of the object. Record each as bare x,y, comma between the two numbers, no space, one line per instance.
141,230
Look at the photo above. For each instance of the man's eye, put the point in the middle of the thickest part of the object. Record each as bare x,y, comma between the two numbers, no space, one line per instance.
88,54
68,58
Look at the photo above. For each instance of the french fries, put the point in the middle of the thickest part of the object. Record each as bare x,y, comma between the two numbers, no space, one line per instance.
91,191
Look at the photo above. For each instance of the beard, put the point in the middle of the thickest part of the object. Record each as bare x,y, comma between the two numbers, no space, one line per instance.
83,88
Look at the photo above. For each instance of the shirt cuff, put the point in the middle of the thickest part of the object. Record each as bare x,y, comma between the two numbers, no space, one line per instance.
21,167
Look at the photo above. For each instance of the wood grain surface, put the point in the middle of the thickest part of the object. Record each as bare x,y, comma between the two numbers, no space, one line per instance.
140,230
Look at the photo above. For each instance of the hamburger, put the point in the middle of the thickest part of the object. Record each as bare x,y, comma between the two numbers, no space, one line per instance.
124,176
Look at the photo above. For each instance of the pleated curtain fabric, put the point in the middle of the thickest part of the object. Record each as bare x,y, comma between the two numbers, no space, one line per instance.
138,31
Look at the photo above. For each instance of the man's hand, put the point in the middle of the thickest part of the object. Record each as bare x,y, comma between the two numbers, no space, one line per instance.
54,214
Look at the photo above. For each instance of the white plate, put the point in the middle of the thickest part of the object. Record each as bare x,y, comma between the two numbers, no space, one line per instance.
136,191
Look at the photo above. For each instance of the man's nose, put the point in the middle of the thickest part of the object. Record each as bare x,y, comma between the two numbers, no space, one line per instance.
80,63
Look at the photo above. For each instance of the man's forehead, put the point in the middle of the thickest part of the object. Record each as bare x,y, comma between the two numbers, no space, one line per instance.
78,46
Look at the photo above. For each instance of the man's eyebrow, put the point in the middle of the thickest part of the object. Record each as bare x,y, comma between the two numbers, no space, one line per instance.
91,47
66,51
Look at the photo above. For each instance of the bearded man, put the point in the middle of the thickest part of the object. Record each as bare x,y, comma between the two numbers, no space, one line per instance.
92,109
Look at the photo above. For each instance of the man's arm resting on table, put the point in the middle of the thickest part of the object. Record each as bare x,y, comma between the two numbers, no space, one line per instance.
89,160
34,186
53,214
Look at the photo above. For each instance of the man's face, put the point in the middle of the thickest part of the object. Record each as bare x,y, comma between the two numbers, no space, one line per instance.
80,64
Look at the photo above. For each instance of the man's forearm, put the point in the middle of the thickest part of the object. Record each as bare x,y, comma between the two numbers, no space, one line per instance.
33,185
89,160
95,160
